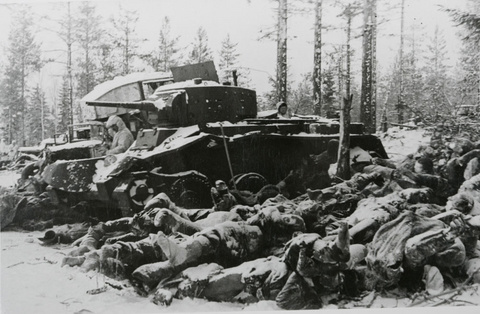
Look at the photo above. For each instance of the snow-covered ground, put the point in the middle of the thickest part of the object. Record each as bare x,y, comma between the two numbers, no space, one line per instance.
32,280
399,143
8,179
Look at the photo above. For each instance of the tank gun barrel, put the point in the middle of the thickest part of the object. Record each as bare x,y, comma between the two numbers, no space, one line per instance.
148,106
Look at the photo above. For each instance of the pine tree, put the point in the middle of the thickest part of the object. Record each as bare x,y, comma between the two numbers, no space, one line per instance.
88,36
200,51
468,90
66,32
35,117
23,58
168,53
64,109
107,61
127,40
436,106
413,77
469,20
301,97
329,92
228,59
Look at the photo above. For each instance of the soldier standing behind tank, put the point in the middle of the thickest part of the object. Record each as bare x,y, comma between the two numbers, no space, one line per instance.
282,110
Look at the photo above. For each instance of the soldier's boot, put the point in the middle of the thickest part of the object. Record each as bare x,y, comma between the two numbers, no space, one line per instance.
151,274
162,297
73,260
113,268
80,251
92,262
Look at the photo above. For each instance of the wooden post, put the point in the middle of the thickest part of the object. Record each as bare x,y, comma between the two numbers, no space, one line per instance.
343,162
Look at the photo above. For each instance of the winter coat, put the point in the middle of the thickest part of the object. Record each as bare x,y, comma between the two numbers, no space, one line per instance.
122,140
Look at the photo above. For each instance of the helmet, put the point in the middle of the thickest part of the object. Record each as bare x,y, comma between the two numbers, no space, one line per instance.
113,120
220,185
281,103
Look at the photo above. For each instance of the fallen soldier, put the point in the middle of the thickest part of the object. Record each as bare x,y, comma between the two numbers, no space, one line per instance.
317,268
159,257
310,268
404,246
261,279
65,234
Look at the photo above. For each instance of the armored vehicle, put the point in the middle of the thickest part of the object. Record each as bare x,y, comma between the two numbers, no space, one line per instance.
195,131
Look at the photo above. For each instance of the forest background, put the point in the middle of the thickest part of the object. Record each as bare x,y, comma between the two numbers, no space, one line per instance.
421,55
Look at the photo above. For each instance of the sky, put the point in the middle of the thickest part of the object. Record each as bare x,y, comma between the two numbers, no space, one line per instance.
247,20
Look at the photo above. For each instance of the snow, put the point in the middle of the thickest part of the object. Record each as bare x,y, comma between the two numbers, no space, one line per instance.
119,81
32,280
399,143
82,144
181,85
9,179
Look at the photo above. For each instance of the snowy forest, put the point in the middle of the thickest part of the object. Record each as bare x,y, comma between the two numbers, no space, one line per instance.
419,84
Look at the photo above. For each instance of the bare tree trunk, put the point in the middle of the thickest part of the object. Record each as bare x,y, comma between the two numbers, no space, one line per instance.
282,51
349,13
23,109
340,68
401,96
69,63
368,97
43,116
317,60
10,128
343,163
126,64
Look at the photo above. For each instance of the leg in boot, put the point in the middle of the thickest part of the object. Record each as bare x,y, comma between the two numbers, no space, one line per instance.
80,251
113,268
73,260
187,253
92,261
152,274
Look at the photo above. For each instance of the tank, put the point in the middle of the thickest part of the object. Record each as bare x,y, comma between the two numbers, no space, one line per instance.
195,131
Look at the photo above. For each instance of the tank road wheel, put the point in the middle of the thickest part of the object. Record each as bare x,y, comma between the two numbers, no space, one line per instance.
251,181
192,191
139,193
